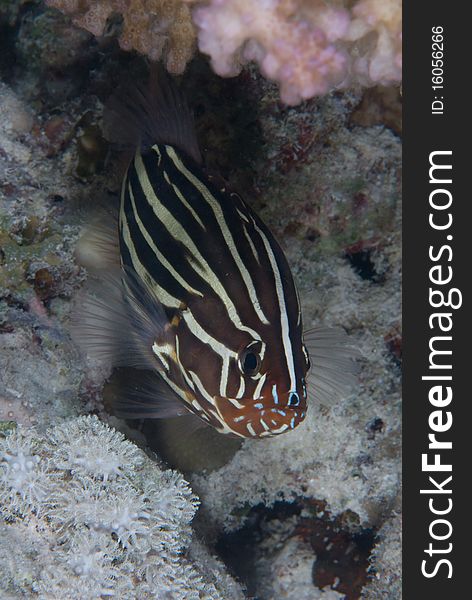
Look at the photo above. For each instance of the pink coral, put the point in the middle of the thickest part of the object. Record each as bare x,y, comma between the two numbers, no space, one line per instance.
376,30
308,46
291,48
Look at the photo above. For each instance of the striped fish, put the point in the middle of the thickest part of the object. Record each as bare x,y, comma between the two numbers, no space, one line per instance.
204,299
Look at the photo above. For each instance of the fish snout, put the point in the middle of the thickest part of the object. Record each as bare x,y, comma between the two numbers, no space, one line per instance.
262,417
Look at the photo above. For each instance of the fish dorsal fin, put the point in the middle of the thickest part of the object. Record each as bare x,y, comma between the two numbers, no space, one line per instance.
156,112
334,366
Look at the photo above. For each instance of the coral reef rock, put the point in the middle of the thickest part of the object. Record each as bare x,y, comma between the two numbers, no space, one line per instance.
386,582
155,28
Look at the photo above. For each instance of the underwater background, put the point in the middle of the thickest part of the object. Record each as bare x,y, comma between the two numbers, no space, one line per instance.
298,106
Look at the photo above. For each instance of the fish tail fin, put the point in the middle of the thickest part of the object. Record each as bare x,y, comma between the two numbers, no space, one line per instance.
156,112
334,363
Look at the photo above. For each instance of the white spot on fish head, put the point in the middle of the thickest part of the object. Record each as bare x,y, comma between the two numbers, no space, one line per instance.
275,394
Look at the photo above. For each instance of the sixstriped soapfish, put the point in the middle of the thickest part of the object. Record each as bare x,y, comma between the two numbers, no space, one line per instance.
202,297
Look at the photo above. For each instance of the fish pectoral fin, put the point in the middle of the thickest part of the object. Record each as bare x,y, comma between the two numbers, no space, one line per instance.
187,425
118,319
138,394
98,248
334,363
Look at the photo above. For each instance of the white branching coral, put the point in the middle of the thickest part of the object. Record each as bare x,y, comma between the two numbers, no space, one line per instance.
175,584
105,456
98,516
90,564
23,487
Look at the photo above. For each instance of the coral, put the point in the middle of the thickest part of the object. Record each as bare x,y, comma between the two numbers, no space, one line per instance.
107,454
376,29
156,28
23,487
294,49
37,237
103,522
308,47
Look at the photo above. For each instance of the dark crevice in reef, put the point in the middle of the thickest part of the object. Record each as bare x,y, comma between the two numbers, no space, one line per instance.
227,123
363,265
239,549
342,558
7,51
341,548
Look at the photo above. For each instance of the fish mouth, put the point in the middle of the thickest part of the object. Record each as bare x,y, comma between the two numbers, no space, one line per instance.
255,418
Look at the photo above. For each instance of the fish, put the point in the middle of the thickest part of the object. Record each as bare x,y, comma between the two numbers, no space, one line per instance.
194,291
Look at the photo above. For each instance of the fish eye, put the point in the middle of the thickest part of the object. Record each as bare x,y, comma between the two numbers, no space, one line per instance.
293,399
250,362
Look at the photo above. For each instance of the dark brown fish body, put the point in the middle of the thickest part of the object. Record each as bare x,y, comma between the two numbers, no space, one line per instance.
227,291
205,300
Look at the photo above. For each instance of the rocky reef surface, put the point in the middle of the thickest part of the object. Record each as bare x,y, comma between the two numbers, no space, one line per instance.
311,514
